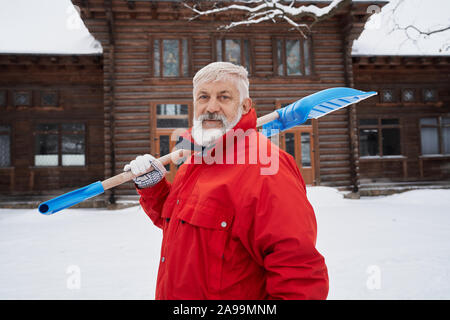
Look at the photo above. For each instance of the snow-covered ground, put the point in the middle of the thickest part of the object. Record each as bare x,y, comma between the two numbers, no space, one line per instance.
394,247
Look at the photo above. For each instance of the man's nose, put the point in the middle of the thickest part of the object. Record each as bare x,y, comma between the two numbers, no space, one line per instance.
213,105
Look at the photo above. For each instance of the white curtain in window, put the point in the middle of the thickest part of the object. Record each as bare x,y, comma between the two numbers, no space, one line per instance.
430,140
446,139
73,160
46,160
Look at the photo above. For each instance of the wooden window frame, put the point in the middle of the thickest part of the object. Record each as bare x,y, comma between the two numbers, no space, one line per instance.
436,97
180,38
60,133
43,105
394,95
155,132
415,93
439,126
181,116
380,127
153,117
419,96
251,66
28,92
283,56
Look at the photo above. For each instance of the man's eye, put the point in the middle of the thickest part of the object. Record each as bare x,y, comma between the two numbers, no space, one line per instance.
203,97
225,97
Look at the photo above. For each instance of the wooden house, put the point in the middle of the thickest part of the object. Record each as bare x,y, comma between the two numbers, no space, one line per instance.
93,114
151,51
404,133
51,124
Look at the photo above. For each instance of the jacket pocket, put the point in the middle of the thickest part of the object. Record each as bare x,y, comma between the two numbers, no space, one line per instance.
208,216
205,230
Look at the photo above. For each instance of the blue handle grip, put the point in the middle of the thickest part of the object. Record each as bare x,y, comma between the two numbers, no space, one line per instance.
71,198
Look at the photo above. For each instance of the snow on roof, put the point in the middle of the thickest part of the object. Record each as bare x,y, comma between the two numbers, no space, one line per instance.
380,36
44,27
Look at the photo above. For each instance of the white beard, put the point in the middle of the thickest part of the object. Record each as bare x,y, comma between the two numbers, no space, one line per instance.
206,137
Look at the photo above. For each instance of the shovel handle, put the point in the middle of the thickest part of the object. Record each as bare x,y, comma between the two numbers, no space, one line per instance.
174,156
267,118
128,175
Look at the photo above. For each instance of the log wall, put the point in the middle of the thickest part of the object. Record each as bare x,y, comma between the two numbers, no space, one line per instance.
126,30
399,73
78,83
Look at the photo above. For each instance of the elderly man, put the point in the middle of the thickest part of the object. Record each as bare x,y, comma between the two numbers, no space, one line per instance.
229,231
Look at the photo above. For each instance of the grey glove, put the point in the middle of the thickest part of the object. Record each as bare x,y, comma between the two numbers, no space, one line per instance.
140,166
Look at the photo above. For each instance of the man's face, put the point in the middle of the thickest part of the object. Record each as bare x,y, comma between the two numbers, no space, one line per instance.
217,108
218,97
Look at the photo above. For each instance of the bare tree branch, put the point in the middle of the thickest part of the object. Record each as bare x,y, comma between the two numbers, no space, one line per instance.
418,31
425,33
257,11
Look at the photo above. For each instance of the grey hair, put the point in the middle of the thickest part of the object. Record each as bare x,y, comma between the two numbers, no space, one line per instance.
217,71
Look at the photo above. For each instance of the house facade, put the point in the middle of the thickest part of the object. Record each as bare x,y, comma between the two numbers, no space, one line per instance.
151,50
51,124
88,115
404,133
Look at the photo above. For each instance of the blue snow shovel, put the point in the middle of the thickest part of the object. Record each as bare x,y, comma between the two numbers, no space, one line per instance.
311,107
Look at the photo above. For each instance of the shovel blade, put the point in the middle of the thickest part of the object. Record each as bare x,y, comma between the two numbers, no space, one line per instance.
315,106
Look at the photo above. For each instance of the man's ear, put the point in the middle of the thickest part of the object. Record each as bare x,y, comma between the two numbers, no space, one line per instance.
246,105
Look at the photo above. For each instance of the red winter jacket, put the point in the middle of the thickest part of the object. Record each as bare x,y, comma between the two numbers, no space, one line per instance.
231,232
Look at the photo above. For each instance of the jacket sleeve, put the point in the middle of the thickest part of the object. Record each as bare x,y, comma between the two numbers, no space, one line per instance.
152,200
282,237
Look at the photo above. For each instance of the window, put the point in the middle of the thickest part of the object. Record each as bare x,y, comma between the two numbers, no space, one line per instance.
387,95
236,51
60,144
408,95
22,99
293,57
172,116
299,143
5,146
49,99
435,135
306,149
46,145
305,141
290,143
168,121
170,58
2,98
429,95
368,141
379,137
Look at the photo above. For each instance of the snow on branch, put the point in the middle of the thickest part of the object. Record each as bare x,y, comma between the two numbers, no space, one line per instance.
257,11
413,32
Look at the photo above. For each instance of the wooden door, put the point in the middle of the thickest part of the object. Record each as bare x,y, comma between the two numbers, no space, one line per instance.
169,119
299,143
166,144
